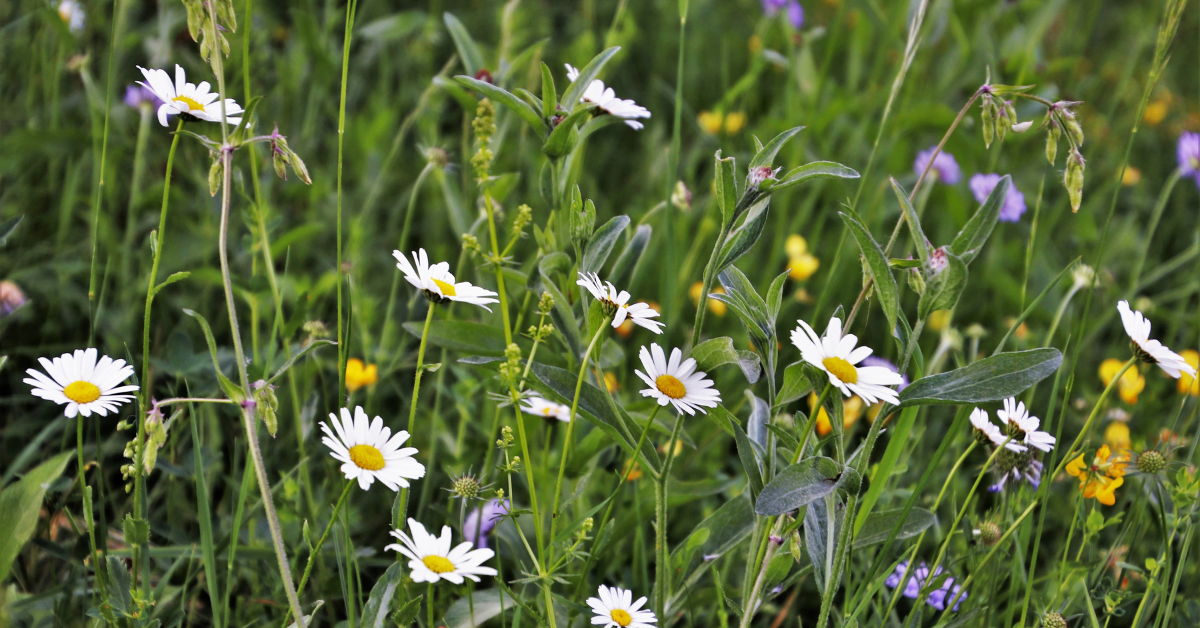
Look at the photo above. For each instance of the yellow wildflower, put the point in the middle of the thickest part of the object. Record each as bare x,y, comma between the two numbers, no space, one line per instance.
359,375
710,121
852,409
734,122
632,471
1187,383
714,306
1102,477
1132,382
1132,176
625,328
803,267
1156,111
795,246
1117,436
610,382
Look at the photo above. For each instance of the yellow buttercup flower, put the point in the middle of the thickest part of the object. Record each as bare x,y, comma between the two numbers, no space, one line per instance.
1102,477
710,121
1117,436
1132,382
734,122
1155,112
1132,176
1187,383
359,374
852,409
610,382
795,246
803,266
714,306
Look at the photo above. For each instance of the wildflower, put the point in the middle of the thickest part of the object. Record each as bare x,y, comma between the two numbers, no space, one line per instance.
1150,462
359,375
734,122
1155,112
545,408
606,100
710,121
1187,153
610,382
795,12
986,431
368,450
632,470
1131,384
1132,176
939,320
83,383
714,306
675,382
615,607
837,356
482,520
1187,383
431,559
11,298
437,282
851,411
1116,435
625,329
193,102
989,533
919,578
1054,620
140,97
465,486
1083,276
945,167
1021,423
1102,477
72,14
1151,351
617,303
1014,204
801,263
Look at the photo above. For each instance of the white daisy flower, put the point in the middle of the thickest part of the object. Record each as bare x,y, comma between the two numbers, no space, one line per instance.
615,607
368,450
677,383
546,408
81,382
431,559
437,282
836,355
1016,416
1152,351
72,14
606,100
981,422
617,303
187,99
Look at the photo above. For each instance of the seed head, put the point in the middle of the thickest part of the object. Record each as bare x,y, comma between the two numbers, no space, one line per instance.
989,533
1054,620
1150,462
466,487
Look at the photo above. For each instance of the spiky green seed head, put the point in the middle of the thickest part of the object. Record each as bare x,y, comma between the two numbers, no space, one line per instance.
1151,462
1054,620
989,533
466,487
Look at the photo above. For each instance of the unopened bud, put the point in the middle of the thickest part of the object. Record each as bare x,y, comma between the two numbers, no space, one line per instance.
937,261
758,175
987,116
1022,127
466,487
681,197
989,533
214,177
546,303
1052,143
1073,179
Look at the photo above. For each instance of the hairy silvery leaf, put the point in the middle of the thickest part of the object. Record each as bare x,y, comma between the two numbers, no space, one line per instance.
549,93
740,240
823,521
719,351
795,384
990,379
623,268
759,416
506,98
914,223
749,456
766,154
879,526
813,171
798,485
601,243
726,187
975,233
877,265
565,135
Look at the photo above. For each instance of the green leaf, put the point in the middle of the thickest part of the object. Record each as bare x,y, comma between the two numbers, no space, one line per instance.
990,379
468,50
239,133
301,353
20,504
464,336
406,615
725,187
914,223
487,604
898,440
746,452
877,264
204,517
741,297
740,240
879,525
971,238
726,527
943,290
8,226
506,98
232,391
549,93
799,485
795,384
719,351
375,613
586,76
814,170
623,268
775,296
601,244
137,531
565,136
563,317
120,597
766,155
170,280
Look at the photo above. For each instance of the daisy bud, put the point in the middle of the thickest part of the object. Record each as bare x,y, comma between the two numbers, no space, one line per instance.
11,298
1150,462
1054,620
989,533
1022,126
1073,180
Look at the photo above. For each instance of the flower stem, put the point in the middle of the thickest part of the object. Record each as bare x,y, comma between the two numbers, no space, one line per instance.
662,567
1066,459
706,283
979,568
316,550
351,8
401,510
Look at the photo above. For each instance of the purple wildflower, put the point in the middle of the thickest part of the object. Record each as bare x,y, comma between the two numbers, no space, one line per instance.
918,578
1030,472
874,360
489,513
1014,204
795,12
138,96
944,165
1188,154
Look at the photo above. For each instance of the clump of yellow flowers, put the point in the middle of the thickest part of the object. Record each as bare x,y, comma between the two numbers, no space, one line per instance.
1101,478
801,263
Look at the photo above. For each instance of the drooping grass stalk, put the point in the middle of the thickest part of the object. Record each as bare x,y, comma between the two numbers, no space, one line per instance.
342,341
662,567
316,550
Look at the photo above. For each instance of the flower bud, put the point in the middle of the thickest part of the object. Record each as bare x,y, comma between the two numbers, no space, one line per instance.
1022,127
989,533
267,404
916,281
11,298
937,261
757,176
988,118
681,197
1052,136
214,177
545,304
1073,180
466,487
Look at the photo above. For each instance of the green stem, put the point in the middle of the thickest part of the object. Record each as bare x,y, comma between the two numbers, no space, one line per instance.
487,201
1148,237
979,569
662,566
316,550
342,344
706,282
402,500
429,604
385,335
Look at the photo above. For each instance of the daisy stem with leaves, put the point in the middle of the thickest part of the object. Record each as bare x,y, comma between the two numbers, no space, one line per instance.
662,567
401,509
316,549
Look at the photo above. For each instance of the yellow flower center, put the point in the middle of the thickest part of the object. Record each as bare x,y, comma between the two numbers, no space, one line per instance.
621,617
670,386
192,105
547,411
438,564
366,457
842,369
82,392
446,288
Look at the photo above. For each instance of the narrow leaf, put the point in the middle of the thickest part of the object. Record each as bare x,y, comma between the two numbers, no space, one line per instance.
506,98
623,268
971,238
20,504
812,171
468,50
585,78
877,264
990,379
878,526
914,223
549,93
766,155
602,243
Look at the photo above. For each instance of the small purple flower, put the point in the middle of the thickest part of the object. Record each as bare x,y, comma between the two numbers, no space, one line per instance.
139,96
1014,204
944,165
795,12
874,360
919,578
1031,472
1188,153
489,513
